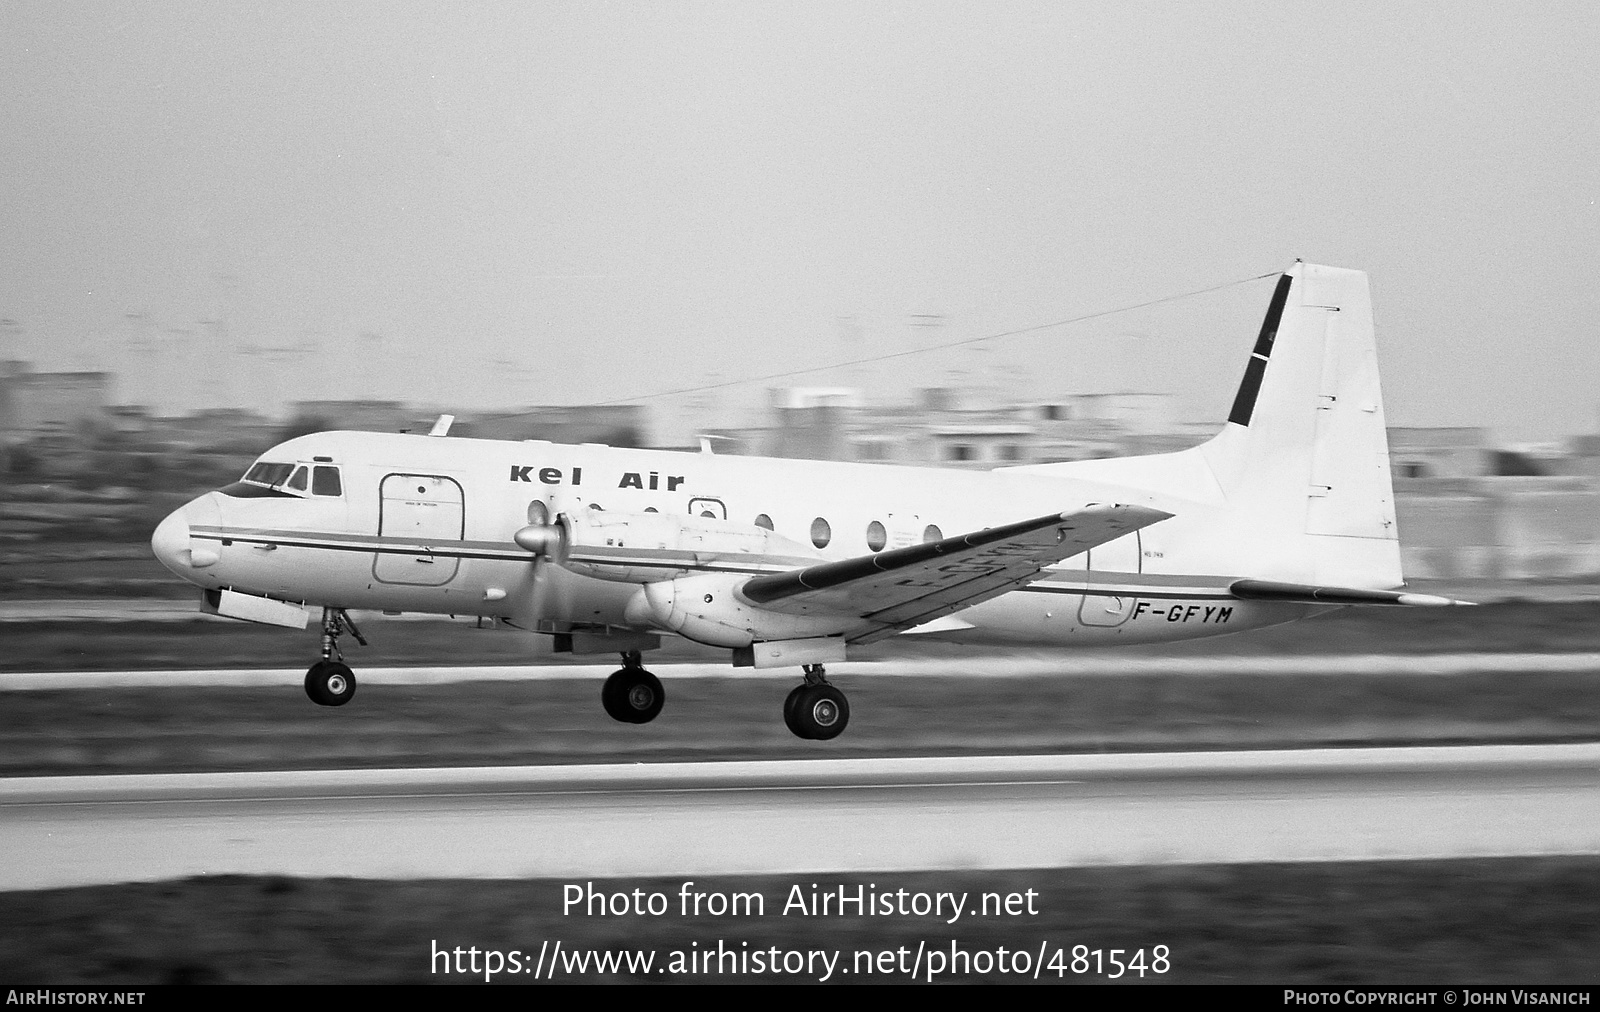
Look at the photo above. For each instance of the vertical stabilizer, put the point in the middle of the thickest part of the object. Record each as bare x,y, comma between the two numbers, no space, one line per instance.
1305,453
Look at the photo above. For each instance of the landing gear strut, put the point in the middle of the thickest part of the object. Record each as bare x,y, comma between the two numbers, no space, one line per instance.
632,694
816,709
330,682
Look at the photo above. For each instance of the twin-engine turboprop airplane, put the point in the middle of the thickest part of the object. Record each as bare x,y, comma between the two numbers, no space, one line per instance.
1287,510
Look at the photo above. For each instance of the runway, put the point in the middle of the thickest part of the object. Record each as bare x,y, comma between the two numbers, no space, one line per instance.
806,816
1019,665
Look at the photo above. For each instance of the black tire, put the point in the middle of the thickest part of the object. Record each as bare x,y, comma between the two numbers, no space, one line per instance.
819,713
330,683
789,705
633,696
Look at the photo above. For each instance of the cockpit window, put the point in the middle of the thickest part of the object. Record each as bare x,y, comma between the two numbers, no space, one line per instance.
325,481
269,474
269,478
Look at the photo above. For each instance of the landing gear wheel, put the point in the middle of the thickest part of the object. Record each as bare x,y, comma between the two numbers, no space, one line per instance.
789,704
330,683
633,696
817,712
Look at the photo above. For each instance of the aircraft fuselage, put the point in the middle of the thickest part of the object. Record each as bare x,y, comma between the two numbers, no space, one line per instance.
425,524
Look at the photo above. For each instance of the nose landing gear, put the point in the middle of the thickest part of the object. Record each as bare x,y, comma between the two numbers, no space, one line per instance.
632,694
330,682
816,710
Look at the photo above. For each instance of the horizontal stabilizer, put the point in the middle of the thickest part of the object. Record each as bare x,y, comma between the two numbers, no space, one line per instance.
1305,593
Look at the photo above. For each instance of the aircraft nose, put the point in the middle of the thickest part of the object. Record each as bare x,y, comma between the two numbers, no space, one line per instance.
173,540
170,543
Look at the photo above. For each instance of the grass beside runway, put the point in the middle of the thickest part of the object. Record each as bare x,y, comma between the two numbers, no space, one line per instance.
559,721
186,730
1512,920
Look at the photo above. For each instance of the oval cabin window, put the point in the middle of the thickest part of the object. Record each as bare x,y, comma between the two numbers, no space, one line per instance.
877,537
821,533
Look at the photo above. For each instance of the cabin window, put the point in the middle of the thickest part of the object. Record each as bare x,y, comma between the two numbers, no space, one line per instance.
877,537
325,481
959,451
932,533
821,533
297,481
764,522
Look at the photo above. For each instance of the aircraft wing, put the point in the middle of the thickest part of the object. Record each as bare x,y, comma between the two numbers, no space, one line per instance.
905,587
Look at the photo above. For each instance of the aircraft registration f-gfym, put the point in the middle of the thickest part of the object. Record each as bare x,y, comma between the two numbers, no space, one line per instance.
1289,509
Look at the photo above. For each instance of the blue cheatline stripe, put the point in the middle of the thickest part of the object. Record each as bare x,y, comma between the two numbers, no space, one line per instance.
369,545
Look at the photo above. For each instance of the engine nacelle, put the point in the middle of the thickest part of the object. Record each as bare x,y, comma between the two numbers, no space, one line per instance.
650,547
708,609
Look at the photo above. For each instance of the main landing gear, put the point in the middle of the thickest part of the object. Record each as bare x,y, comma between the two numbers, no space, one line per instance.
632,694
331,682
816,710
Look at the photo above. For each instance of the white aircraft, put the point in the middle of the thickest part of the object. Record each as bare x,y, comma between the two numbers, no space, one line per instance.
1286,511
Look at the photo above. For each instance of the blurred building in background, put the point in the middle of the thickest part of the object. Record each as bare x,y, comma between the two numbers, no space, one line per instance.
1438,452
49,405
954,427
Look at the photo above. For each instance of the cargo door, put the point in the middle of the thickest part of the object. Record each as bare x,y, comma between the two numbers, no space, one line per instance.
1124,555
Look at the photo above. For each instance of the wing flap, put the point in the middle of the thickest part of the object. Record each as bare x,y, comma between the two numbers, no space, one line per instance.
1306,593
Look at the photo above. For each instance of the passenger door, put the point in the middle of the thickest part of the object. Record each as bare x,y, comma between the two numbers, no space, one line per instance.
418,512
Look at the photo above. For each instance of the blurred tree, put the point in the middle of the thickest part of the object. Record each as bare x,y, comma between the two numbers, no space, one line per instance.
627,435
21,462
304,425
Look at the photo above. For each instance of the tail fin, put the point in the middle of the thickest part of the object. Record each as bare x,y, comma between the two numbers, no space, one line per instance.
1302,465
1305,452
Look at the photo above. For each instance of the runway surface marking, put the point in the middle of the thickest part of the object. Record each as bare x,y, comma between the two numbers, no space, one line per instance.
807,816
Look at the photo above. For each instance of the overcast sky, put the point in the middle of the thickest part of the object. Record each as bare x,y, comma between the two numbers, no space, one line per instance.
477,205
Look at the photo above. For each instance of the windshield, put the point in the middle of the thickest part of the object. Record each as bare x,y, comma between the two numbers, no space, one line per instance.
269,474
288,479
